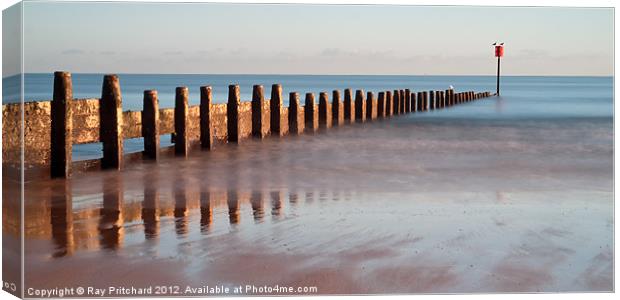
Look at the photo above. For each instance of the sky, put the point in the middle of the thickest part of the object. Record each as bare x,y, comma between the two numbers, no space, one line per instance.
207,38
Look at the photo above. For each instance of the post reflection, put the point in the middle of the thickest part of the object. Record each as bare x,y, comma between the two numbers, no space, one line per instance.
206,211
293,198
256,199
233,206
156,215
150,206
180,208
111,232
276,202
61,216
309,197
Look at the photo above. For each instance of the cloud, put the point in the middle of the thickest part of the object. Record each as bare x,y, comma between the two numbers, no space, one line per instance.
532,53
72,52
107,52
341,53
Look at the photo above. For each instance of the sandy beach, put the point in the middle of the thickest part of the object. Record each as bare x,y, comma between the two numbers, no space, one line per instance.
408,205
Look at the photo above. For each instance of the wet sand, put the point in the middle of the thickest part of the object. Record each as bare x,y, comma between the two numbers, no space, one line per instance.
409,205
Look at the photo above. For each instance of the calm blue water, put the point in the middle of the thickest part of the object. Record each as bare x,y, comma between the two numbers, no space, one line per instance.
553,99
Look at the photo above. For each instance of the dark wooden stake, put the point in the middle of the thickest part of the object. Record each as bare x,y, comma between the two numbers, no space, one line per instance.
62,125
232,112
311,122
181,121
111,123
206,127
258,104
360,113
275,107
294,116
325,114
150,124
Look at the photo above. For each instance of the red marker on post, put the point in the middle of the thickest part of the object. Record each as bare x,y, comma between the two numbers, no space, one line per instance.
499,52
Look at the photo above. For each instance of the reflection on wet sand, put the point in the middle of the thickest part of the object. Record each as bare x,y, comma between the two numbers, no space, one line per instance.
206,211
113,217
111,229
61,214
257,205
217,217
150,206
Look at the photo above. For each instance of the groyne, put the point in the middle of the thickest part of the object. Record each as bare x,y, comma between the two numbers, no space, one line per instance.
51,128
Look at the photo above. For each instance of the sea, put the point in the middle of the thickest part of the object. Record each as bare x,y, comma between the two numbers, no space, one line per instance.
556,99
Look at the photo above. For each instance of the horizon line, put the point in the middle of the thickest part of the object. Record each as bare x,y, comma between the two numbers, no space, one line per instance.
314,74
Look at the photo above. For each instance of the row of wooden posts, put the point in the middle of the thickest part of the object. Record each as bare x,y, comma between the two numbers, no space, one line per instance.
354,109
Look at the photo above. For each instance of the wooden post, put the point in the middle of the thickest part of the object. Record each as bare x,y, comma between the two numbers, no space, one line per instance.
181,121
396,102
325,114
62,126
442,99
407,101
311,125
232,112
360,113
206,129
275,107
111,123
337,109
452,98
258,104
438,95
370,106
294,124
349,110
381,105
150,124
432,99
420,106
414,102
401,101
389,105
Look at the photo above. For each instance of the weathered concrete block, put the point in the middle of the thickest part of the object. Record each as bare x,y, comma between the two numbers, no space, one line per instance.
245,119
220,122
